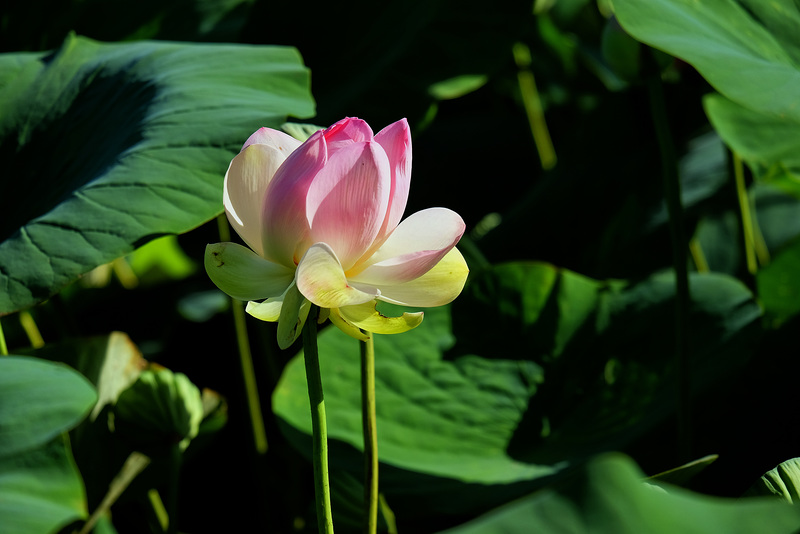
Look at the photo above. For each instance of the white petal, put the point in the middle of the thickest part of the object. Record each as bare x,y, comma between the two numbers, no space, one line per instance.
245,185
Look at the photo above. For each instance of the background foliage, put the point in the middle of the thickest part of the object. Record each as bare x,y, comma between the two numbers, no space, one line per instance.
533,121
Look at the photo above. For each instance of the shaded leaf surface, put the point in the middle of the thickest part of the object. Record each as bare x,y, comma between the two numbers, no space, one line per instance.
609,497
40,489
463,402
110,145
38,401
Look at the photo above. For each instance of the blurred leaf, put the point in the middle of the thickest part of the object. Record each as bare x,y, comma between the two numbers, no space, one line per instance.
137,137
112,363
609,497
161,258
783,481
746,49
40,489
457,87
215,412
680,476
201,306
761,139
300,131
778,287
161,408
38,401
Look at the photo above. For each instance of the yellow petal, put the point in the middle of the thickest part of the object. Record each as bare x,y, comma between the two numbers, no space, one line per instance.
321,280
367,317
439,286
347,327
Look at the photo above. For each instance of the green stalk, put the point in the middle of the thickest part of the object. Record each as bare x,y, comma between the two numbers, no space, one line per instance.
246,360
249,375
672,192
3,346
319,427
747,219
369,422
533,106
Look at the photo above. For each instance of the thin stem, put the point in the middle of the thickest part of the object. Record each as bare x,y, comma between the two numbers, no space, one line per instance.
246,359
158,509
3,346
249,375
698,256
388,516
134,465
319,427
747,219
31,330
672,192
533,107
369,422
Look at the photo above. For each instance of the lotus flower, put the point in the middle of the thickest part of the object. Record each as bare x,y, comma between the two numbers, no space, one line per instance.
322,222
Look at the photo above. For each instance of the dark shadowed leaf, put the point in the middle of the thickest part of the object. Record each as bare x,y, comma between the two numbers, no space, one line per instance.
608,496
107,146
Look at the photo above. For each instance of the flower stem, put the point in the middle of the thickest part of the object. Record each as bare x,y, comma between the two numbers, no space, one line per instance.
369,422
246,359
672,192
249,375
533,106
319,427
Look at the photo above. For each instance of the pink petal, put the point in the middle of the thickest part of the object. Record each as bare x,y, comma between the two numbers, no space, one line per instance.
346,132
414,248
284,222
348,199
396,142
274,138
321,279
246,182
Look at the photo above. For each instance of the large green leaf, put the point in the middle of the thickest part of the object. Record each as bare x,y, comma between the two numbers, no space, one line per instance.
106,146
38,401
546,366
747,49
40,489
609,497
436,417
760,139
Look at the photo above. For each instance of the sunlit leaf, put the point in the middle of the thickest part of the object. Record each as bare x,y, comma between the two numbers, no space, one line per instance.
746,49
107,146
